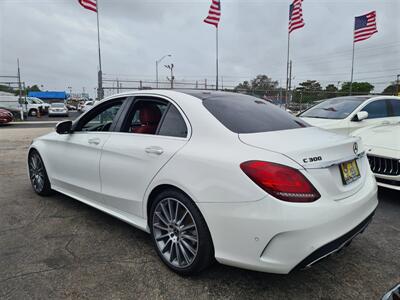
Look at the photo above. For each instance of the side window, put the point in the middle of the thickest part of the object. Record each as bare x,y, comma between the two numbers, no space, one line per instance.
173,124
101,119
376,109
145,117
395,107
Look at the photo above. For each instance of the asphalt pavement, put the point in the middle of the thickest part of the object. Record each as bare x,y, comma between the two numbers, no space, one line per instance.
58,248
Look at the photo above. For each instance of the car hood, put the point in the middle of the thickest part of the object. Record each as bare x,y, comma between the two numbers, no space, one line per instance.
323,123
384,137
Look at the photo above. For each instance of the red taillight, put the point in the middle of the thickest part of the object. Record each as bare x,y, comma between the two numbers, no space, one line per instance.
280,181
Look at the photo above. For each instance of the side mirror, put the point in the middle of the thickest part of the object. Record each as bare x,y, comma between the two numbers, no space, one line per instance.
64,127
361,115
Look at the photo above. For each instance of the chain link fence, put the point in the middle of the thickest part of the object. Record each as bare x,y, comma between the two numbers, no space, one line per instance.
298,100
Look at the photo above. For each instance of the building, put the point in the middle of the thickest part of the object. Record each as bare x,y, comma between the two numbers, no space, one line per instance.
50,96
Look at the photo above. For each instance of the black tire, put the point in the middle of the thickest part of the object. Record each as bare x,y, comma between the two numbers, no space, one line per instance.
38,174
205,249
33,112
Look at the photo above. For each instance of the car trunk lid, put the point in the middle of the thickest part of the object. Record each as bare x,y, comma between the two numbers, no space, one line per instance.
319,152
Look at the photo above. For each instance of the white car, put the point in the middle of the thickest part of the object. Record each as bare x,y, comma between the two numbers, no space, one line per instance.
346,114
58,109
87,105
212,175
34,100
383,151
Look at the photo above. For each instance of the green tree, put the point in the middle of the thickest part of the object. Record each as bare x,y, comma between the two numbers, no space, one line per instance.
359,88
392,89
6,88
308,91
244,86
331,91
260,86
33,88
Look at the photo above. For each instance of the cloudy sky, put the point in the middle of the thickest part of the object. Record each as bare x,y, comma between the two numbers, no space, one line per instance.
56,41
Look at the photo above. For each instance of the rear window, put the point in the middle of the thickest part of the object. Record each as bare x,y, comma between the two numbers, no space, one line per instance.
246,114
57,104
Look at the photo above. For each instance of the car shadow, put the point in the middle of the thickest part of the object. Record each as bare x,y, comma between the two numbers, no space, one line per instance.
345,274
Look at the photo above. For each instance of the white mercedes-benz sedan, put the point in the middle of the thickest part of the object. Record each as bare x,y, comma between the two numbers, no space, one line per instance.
347,114
212,175
383,152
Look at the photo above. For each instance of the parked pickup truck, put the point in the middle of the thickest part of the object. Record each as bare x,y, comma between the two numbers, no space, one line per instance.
30,107
33,100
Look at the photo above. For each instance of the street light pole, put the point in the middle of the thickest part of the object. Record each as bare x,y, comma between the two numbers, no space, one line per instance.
171,68
157,62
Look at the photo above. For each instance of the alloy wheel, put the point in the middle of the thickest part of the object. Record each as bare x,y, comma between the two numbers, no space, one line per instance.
175,233
36,172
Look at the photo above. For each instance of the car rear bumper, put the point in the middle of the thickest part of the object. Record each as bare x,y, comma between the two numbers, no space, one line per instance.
4,120
277,237
334,246
54,113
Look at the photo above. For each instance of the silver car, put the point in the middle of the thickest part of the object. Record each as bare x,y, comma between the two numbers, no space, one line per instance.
58,110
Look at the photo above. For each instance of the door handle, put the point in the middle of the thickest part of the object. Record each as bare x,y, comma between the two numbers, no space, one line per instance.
94,141
154,150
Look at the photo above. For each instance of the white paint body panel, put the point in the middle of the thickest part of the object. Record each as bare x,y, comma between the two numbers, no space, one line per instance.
117,176
383,141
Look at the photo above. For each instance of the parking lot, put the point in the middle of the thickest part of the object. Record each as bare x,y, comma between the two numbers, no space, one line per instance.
56,247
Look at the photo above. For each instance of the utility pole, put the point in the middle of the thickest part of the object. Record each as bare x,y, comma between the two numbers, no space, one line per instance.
157,62
20,90
205,83
171,79
197,84
397,85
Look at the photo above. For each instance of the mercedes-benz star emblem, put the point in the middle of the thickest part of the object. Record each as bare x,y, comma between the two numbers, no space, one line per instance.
355,148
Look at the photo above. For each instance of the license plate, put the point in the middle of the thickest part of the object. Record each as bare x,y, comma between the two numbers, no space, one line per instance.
349,171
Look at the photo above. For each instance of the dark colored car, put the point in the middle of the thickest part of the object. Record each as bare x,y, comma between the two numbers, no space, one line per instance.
5,116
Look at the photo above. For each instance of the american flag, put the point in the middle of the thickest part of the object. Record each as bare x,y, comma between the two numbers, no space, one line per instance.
214,14
365,26
89,4
295,16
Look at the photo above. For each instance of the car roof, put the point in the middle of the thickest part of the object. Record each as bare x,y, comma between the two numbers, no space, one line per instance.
202,94
198,94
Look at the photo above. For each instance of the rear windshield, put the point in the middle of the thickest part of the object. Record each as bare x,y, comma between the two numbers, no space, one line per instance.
335,108
57,104
246,114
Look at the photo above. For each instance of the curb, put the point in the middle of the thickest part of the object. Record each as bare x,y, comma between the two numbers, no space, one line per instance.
33,122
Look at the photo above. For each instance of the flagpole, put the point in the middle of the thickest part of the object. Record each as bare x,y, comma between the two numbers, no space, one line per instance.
287,70
216,82
100,92
352,71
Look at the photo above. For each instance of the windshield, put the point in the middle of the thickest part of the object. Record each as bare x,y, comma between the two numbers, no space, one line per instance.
57,105
335,108
35,100
246,114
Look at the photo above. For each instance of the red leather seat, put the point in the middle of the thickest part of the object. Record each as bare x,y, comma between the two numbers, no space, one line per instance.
149,116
